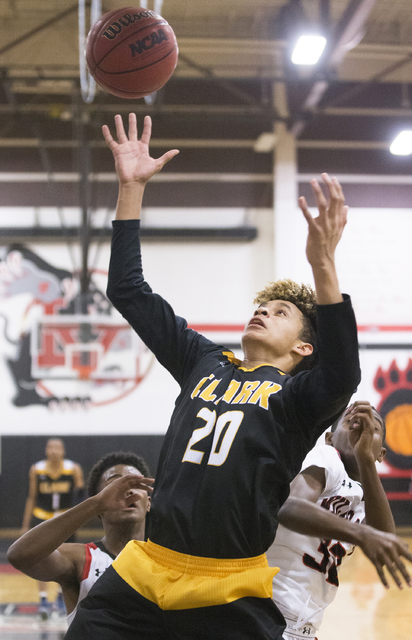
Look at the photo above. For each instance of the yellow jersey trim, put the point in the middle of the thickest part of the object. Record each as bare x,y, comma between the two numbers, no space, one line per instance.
231,357
264,364
176,581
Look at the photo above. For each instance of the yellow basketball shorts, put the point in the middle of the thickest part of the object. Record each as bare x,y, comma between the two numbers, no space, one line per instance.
153,593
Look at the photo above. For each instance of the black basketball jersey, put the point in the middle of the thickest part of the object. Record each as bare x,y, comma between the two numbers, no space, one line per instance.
54,493
237,436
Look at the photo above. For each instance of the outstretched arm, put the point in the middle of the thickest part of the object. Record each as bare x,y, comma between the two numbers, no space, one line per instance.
366,433
134,166
324,233
301,514
41,554
175,346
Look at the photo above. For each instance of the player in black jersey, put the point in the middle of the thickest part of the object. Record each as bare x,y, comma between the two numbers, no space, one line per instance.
118,487
55,484
237,436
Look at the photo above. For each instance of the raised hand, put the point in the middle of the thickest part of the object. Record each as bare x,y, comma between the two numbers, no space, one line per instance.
131,155
386,550
326,229
365,433
123,492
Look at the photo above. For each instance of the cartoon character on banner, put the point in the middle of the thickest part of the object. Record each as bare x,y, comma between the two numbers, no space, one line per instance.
70,351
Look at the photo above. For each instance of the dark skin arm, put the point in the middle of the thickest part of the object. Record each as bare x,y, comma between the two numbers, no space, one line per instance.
41,553
364,430
301,514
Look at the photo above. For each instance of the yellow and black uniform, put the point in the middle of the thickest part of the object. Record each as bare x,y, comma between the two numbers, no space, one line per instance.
236,439
54,491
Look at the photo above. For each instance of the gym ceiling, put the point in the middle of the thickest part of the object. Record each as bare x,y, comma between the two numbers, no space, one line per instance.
344,112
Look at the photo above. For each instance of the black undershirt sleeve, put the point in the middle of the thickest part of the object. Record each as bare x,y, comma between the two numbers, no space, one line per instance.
167,335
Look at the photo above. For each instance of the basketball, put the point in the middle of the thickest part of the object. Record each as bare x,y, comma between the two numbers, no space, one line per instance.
131,52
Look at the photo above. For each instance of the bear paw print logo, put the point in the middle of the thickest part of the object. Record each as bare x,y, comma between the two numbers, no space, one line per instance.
395,407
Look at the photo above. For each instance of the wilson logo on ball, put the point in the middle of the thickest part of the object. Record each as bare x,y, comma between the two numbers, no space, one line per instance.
126,19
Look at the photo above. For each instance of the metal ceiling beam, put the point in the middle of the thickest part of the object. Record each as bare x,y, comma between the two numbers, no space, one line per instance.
345,96
75,176
229,86
366,112
349,29
195,143
173,109
195,111
41,27
154,234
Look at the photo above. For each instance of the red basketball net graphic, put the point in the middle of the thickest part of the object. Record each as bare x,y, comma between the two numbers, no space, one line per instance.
85,348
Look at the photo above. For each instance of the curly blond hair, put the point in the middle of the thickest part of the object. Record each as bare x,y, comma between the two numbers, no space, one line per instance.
302,296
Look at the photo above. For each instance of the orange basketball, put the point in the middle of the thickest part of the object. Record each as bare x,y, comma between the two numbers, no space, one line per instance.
131,52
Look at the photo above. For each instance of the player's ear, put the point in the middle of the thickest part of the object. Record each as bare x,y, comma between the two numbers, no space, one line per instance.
149,504
303,348
381,455
328,438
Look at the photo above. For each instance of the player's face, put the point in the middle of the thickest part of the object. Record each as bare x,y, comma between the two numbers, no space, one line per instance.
278,324
341,437
55,449
137,511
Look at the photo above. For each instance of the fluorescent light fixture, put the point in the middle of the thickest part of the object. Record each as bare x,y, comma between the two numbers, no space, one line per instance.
402,145
308,49
265,143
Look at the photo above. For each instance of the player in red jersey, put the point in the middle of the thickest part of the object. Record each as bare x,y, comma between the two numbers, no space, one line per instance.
336,502
119,486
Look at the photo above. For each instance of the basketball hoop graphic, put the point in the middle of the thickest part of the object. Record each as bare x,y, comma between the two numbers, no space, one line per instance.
83,347
62,358
87,349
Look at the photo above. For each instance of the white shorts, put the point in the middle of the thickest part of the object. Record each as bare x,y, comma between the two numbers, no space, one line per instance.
305,631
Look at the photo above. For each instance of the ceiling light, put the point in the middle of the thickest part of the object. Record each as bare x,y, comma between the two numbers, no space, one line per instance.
265,143
308,49
402,145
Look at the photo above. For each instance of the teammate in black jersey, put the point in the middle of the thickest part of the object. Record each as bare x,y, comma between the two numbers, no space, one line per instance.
55,485
237,436
118,487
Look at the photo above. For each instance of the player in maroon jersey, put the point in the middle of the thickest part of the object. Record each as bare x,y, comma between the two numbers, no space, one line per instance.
336,502
119,487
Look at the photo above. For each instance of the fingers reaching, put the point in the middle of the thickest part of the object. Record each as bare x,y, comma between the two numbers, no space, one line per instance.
392,560
320,198
382,576
303,205
335,193
393,568
140,482
120,132
147,130
133,161
166,157
404,573
111,143
132,127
